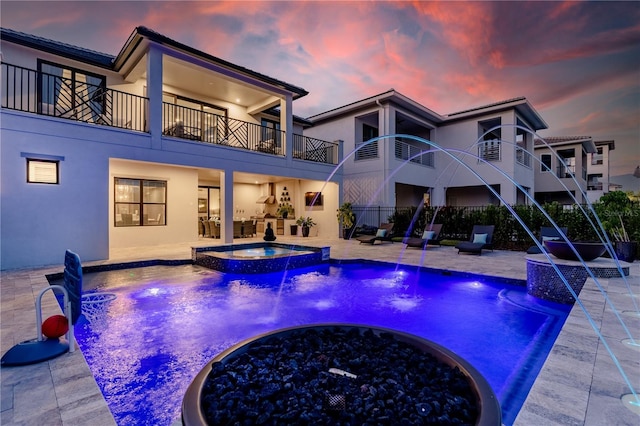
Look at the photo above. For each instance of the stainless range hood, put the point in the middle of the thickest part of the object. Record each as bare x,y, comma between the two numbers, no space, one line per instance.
266,199
270,198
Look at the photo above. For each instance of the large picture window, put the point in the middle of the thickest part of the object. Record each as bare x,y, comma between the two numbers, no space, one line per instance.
140,202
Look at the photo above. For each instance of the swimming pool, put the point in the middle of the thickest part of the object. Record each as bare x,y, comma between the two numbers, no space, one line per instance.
168,322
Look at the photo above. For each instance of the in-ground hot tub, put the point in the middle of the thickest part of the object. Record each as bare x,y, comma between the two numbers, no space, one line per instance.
258,258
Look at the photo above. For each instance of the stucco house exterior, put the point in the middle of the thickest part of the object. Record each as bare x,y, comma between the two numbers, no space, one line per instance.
101,151
598,171
562,168
404,172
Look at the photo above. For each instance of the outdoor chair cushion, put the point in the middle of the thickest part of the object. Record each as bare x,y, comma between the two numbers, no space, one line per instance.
480,238
428,235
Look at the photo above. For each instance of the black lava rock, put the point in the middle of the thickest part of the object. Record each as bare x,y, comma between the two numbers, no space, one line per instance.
287,382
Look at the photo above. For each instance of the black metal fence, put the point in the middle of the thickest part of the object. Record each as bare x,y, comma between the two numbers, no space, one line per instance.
510,232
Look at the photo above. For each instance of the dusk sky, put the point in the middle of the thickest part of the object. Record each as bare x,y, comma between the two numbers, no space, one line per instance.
578,63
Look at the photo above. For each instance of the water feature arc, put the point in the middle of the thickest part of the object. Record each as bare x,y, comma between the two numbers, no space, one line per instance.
599,229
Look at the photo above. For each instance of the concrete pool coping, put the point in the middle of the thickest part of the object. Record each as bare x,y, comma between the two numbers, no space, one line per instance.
578,385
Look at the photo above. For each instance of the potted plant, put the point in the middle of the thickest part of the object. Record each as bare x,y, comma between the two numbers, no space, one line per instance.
347,218
305,223
625,248
284,210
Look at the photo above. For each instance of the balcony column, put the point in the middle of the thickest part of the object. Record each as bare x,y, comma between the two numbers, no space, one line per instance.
286,117
386,146
226,206
154,93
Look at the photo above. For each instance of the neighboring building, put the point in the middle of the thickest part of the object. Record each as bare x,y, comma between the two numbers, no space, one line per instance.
405,172
598,171
101,152
562,168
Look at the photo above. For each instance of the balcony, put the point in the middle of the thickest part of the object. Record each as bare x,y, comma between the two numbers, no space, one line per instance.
523,157
312,149
40,93
46,94
490,150
406,151
198,125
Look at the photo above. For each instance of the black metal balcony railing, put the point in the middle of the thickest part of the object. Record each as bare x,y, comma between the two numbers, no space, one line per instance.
28,90
311,149
189,123
47,94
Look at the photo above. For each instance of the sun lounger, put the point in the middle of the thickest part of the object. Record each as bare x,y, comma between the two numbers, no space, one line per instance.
383,233
430,236
481,239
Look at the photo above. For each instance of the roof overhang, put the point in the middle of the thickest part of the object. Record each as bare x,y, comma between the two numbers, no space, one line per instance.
390,96
586,142
141,38
521,105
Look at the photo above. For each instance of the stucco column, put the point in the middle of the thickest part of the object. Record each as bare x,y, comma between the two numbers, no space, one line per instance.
387,126
286,118
226,206
154,93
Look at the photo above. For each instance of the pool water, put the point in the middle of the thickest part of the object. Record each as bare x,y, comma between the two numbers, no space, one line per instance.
168,322
262,252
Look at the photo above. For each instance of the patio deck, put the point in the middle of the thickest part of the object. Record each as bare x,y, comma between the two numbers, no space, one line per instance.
578,385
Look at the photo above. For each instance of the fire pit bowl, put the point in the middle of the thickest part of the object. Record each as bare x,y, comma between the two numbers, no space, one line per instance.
329,374
562,250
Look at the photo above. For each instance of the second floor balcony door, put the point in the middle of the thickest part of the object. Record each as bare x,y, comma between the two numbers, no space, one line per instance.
68,92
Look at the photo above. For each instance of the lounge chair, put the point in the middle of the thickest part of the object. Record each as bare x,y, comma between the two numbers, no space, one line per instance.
547,233
430,236
383,233
481,239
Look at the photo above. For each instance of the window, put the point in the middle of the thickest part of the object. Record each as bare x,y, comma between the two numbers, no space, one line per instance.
192,119
140,202
545,163
69,92
597,157
489,149
42,171
270,132
369,150
594,183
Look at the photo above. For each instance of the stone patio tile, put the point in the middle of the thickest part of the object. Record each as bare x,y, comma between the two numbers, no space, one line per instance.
605,410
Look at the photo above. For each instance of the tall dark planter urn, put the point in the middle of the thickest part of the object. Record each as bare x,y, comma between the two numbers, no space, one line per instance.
305,231
626,250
